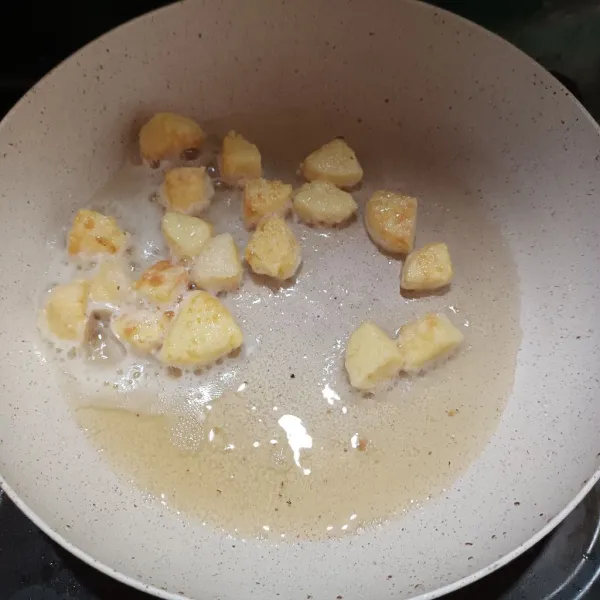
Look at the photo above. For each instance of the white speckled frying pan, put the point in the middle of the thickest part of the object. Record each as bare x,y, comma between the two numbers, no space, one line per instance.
480,118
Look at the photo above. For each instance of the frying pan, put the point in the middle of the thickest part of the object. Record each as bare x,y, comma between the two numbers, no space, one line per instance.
477,117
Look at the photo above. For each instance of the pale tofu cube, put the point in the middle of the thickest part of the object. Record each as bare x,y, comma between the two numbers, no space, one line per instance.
203,331
65,311
428,268
240,160
372,356
142,330
168,135
335,162
111,283
391,221
322,203
162,283
273,249
218,267
427,340
263,197
185,235
93,233
187,190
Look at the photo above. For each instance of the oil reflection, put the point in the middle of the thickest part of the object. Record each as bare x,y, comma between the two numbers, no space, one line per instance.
297,437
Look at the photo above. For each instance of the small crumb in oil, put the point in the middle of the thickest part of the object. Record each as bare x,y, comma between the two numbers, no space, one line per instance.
453,412
174,372
190,154
362,445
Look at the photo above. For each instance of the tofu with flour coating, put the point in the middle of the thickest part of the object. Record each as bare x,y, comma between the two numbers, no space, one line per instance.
263,197
391,221
185,235
218,267
187,190
168,135
372,356
335,162
65,312
93,234
426,341
240,160
142,330
322,203
111,283
203,332
162,283
428,268
273,249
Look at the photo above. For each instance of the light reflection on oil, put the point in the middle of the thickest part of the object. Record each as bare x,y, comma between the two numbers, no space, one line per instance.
297,437
330,394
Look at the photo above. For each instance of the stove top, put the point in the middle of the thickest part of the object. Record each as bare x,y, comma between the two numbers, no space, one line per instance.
563,35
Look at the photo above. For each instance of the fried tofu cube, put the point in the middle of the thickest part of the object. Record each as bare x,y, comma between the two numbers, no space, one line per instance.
111,283
142,330
162,283
218,267
263,197
187,190
185,235
335,162
428,268
322,203
391,221
168,135
65,311
427,340
371,356
273,249
240,160
93,233
203,331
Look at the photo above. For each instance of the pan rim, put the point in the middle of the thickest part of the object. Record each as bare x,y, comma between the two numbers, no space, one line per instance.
137,584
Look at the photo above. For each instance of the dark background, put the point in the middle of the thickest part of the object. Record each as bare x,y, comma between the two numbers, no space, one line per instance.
35,35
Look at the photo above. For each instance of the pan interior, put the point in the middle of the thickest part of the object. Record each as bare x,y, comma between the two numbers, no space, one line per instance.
275,443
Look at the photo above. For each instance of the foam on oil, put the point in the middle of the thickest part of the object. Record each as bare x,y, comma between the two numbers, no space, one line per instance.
275,442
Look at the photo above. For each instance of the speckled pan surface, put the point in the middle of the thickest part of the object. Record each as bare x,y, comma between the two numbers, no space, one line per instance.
452,97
